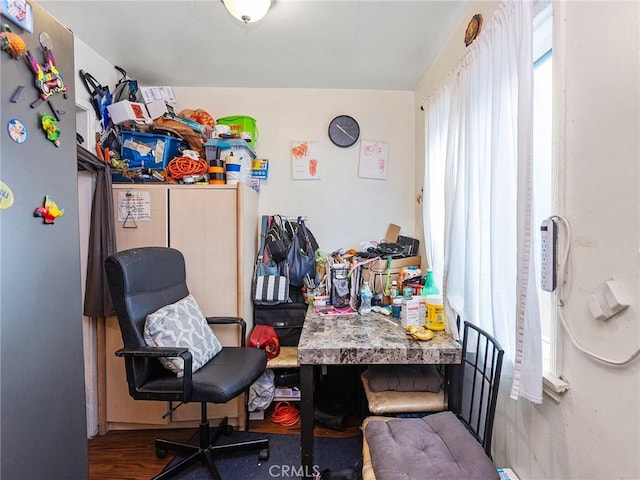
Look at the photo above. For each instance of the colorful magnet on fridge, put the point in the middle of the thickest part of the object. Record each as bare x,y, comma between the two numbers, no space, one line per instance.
47,77
17,130
50,127
49,212
19,12
11,42
6,196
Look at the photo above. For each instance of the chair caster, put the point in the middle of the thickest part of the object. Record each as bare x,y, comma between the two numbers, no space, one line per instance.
263,454
160,453
227,430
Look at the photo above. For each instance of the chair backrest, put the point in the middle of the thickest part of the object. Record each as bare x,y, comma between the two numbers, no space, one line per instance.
142,280
474,384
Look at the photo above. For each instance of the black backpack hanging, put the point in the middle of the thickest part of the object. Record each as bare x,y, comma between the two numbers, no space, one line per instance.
126,88
277,239
301,257
99,97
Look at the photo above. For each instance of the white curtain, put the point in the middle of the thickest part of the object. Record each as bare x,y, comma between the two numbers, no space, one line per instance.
478,192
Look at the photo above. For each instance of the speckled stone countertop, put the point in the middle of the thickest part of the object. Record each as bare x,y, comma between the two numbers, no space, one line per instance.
372,338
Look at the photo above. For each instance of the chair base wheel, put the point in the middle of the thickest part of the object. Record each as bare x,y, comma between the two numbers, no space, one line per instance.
263,454
160,453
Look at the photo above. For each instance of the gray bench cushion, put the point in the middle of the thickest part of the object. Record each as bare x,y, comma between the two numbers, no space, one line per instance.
437,446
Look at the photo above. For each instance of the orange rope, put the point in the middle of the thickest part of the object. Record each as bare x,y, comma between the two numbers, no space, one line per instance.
285,414
180,167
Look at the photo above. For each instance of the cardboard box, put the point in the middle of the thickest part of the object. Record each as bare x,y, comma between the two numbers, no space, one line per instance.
157,108
150,94
286,394
256,415
376,272
126,111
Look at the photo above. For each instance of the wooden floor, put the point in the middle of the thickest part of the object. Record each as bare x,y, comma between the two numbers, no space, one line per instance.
130,455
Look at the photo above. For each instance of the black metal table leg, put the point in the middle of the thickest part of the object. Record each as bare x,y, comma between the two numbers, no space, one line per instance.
306,419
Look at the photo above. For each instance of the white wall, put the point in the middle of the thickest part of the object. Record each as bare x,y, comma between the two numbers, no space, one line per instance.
342,209
86,125
594,431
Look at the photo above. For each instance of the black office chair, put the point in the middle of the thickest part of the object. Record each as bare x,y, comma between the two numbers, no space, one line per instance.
141,281
450,444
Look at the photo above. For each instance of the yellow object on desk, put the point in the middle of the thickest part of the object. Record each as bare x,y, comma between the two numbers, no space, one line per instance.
419,333
435,312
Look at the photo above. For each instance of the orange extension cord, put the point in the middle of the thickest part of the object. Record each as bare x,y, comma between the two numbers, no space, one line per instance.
181,167
285,414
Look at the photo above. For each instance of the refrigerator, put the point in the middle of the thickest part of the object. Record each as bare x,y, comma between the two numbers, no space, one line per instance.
43,432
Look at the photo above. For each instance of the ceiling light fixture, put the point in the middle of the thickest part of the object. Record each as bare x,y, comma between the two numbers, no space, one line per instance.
248,11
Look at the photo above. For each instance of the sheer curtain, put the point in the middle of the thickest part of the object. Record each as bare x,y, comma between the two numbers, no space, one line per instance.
478,192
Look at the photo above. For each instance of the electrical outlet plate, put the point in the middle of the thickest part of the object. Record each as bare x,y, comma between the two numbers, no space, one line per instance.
607,299
548,255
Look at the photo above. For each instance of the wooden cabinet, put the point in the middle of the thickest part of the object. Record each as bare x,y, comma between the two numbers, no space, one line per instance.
216,228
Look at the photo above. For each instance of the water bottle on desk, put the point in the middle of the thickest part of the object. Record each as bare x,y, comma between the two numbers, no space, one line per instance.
365,298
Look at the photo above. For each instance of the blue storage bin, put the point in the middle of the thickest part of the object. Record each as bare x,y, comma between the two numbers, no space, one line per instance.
149,150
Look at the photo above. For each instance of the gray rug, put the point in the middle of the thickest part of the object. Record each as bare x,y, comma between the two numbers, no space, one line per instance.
284,459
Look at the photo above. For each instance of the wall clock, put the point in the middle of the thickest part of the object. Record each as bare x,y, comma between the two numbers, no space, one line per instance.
344,131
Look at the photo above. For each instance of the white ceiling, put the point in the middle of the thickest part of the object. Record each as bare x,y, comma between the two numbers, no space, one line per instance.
366,44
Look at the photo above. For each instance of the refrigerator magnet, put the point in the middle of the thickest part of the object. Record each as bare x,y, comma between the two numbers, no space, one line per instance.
17,131
49,211
50,127
6,196
12,43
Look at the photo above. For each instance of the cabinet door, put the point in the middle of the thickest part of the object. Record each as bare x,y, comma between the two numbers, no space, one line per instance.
140,216
203,227
120,407
132,232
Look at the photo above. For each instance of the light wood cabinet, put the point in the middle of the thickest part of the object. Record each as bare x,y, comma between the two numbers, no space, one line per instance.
216,229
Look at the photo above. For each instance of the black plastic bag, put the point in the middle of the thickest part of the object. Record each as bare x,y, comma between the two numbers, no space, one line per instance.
301,259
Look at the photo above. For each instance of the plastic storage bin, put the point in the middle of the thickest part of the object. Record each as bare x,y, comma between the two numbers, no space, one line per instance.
239,124
149,150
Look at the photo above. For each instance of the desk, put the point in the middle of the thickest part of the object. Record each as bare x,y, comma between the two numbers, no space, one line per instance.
367,339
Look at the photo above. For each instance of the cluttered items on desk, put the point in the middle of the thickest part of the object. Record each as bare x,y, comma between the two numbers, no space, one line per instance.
384,277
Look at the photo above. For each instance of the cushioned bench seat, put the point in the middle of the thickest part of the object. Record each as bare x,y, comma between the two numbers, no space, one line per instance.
391,401
287,358
437,446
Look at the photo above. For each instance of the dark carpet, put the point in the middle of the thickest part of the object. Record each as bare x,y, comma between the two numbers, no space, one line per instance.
284,458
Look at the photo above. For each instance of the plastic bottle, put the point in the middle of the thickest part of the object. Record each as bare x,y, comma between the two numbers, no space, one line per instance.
365,298
393,292
429,285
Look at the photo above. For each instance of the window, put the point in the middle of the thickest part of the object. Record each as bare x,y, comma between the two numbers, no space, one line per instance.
544,179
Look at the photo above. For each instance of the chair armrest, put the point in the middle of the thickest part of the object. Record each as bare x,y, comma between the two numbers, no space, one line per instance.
229,320
156,352
152,352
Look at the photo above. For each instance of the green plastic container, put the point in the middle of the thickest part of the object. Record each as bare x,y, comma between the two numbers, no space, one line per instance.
239,124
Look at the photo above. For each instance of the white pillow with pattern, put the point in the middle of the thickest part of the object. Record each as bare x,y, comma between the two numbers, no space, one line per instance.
182,324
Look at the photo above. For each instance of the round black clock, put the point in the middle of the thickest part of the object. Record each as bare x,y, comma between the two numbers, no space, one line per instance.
344,131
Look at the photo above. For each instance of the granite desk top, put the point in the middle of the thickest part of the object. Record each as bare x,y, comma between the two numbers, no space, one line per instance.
372,338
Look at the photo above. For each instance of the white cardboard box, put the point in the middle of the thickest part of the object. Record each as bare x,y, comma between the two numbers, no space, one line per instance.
126,111
256,415
157,108
150,94
284,394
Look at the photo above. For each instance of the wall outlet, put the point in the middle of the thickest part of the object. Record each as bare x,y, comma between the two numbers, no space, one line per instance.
548,255
607,299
